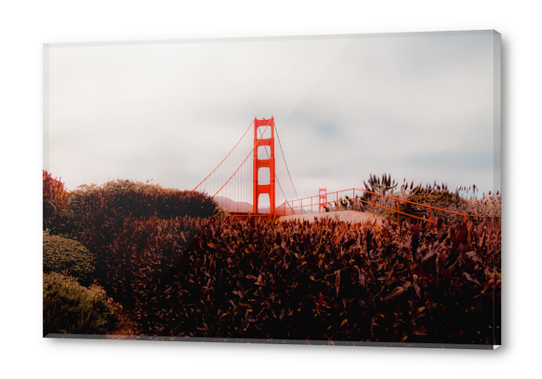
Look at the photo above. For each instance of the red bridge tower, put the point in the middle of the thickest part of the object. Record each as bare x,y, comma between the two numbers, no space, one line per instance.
258,164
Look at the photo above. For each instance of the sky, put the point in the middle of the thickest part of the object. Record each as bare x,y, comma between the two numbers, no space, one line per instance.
420,106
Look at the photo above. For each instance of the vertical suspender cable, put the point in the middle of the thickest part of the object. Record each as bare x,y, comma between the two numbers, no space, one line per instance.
282,151
224,158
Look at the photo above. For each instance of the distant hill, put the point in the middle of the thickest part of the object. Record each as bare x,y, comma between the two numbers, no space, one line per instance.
232,205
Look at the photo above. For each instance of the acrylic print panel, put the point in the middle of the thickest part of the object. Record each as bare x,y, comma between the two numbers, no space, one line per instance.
310,190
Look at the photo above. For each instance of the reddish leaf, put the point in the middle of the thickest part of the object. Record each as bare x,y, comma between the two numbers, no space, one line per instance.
397,291
473,256
338,281
470,278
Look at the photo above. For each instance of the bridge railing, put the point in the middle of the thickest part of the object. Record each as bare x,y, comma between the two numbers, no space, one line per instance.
342,199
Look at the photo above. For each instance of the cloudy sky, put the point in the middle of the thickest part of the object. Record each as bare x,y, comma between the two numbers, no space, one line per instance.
420,106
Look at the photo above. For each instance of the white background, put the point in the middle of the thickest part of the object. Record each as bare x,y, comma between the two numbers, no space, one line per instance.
26,25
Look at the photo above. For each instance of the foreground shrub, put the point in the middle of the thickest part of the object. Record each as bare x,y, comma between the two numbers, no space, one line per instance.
101,212
67,257
434,195
326,280
144,257
71,308
54,195
62,223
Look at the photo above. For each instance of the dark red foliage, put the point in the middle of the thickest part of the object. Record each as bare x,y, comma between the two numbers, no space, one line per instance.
101,214
325,280
55,195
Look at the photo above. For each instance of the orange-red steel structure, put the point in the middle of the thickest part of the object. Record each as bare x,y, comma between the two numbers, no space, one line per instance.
322,199
259,163
307,204
263,153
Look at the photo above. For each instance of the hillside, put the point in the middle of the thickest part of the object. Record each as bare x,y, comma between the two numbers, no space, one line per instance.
232,205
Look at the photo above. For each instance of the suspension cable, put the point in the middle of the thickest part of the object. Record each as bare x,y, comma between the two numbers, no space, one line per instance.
283,194
267,126
225,159
276,177
286,164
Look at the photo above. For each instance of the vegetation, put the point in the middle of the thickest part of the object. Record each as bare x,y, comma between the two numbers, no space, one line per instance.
62,223
169,268
71,308
69,258
326,280
143,257
221,212
101,214
55,200
54,194
465,200
93,215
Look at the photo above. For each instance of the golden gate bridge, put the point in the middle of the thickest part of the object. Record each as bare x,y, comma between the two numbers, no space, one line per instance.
244,183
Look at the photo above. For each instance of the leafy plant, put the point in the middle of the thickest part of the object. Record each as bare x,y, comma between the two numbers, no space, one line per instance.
70,308
54,195
113,185
325,280
378,185
62,223
384,185
433,195
436,196
221,212
69,258
101,212
343,204
143,256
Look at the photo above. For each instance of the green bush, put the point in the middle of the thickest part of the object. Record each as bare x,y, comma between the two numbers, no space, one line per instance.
62,223
71,308
67,257
221,212
441,199
418,199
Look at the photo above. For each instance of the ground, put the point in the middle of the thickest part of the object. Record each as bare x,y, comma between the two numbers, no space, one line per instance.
351,216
